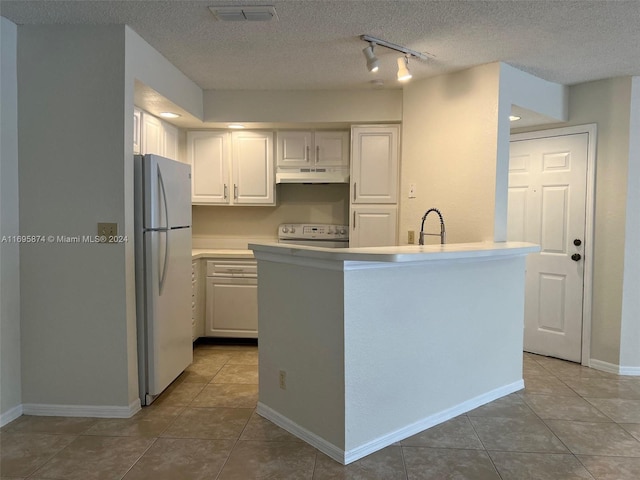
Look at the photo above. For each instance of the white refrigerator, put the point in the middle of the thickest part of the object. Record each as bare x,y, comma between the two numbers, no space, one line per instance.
163,272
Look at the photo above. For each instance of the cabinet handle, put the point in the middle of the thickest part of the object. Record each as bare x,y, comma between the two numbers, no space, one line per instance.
355,185
307,158
225,191
317,153
354,219
235,191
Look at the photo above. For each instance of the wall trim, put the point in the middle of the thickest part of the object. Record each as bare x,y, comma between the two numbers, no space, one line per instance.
326,447
613,368
99,411
347,456
591,130
10,415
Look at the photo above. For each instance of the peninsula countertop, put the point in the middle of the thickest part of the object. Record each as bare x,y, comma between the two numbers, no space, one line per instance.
400,254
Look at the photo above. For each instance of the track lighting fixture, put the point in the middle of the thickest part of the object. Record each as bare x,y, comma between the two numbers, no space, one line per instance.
372,61
403,62
403,69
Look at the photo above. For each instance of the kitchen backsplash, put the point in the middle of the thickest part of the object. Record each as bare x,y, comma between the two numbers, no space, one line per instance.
234,227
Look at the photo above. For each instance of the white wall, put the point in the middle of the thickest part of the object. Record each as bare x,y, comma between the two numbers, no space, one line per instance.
630,329
10,383
449,142
314,106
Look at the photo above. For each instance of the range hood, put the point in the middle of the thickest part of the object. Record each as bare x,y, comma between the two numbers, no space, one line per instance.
312,175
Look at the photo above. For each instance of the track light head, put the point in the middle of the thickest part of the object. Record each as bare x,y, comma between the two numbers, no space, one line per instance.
372,61
403,69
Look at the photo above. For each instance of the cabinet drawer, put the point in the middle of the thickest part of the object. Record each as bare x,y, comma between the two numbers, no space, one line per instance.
232,268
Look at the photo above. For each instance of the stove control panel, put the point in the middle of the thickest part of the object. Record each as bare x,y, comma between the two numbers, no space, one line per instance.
303,231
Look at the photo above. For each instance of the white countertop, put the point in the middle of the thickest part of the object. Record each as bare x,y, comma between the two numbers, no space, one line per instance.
401,254
220,253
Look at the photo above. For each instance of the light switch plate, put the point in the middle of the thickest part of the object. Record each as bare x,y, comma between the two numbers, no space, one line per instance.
107,232
412,190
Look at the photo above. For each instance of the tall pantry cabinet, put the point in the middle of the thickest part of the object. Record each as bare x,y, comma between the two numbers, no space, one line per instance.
374,185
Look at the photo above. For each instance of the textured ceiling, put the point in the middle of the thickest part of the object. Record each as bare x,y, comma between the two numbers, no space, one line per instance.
315,43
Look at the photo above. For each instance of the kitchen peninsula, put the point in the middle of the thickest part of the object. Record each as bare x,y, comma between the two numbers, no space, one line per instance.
363,347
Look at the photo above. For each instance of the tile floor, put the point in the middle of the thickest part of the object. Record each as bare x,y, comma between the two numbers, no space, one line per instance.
570,422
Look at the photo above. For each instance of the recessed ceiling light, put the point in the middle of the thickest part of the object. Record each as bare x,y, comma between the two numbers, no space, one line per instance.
514,118
235,125
169,115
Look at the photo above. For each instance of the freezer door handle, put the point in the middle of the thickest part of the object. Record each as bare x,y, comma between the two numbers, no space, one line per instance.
164,197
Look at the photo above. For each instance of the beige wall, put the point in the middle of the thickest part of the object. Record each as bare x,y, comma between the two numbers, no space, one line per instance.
606,103
79,349
322,203
449,145
315,106
10,383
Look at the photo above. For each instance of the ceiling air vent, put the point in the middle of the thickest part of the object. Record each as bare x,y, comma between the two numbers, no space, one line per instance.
253,13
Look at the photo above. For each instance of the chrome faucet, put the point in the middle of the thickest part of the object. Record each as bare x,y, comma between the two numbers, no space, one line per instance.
442,233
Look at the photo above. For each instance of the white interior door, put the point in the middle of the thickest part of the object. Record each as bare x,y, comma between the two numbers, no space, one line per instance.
547,206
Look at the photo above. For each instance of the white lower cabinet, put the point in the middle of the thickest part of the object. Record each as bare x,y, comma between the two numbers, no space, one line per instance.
231,299
197,317
373,225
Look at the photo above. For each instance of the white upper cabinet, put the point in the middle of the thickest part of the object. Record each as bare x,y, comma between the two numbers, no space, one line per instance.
374,166
231,168
170,139
252,168
155,136
208,154
294,149
152,135
331,149
137,120
299,149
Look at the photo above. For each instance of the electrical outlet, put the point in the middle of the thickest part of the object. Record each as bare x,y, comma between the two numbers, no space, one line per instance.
107,232
411,237
283,380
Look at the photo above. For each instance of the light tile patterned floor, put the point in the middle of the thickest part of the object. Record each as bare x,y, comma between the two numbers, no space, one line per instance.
570,422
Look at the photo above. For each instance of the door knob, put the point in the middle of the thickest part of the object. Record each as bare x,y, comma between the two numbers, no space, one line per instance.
575,257
577,242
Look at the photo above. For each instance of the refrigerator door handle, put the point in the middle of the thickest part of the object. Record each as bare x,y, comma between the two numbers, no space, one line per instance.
163,271
164,197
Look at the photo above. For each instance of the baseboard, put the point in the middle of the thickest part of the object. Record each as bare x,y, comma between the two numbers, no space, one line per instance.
613,368
347,456
302,433
99,411
10,415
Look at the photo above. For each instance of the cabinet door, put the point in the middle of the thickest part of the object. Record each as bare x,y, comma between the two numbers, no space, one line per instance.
294,149
137,119
374,164
209,158
170,139
232,307
374,226
152,135
332,149
253,170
